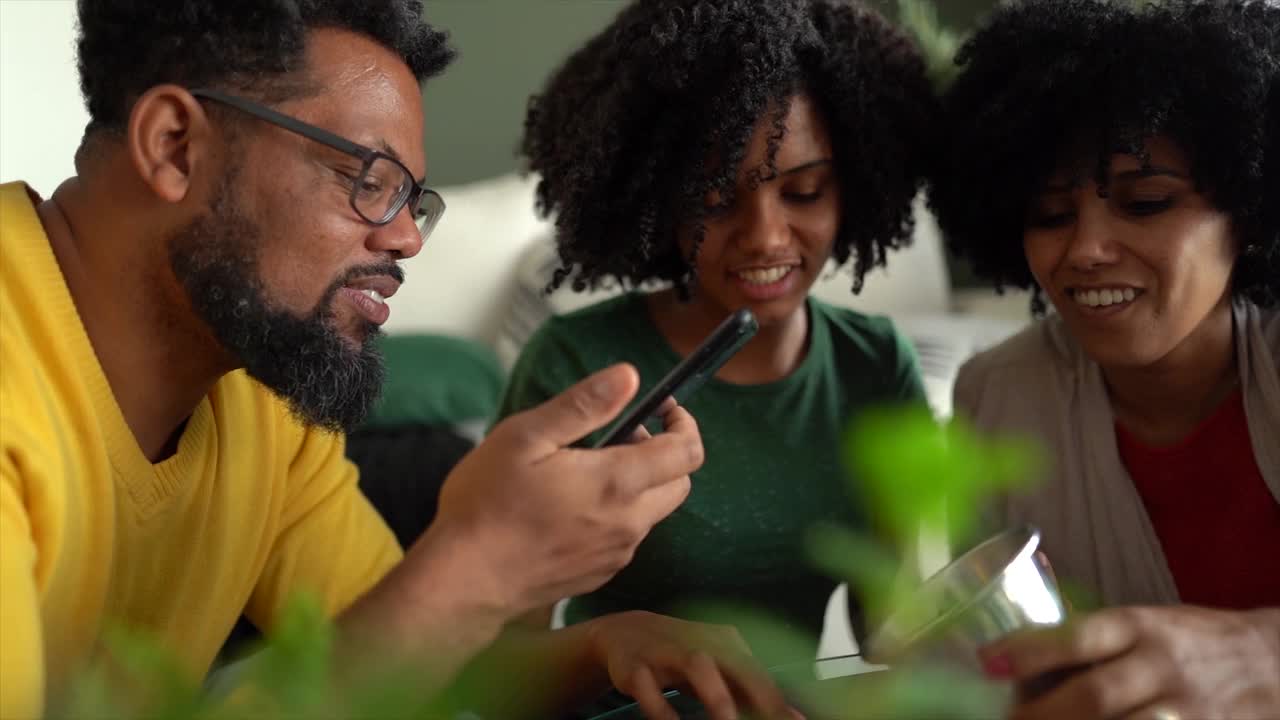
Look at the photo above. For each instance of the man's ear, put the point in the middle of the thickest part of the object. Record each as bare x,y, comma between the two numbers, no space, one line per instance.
169,137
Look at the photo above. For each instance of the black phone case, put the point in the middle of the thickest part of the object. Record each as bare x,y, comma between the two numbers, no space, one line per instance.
685,378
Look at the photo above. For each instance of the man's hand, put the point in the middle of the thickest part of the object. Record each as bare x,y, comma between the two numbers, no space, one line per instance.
548,521
1148,664
525,520
645,653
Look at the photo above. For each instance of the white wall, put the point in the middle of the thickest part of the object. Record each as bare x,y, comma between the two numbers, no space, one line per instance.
42,115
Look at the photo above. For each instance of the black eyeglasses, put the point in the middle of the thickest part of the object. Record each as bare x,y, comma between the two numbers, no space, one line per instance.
383,187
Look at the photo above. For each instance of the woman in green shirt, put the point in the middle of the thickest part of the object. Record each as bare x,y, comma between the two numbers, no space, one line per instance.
728,150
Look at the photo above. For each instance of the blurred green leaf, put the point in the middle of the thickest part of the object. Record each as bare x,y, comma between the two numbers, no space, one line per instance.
923,692
91,696
1079,599
152,682
937,43
770,638
294,668
872,570
917,475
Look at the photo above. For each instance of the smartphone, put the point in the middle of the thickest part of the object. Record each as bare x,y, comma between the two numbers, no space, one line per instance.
688,376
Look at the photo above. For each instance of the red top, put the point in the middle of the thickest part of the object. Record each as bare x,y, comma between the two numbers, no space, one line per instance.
1217,521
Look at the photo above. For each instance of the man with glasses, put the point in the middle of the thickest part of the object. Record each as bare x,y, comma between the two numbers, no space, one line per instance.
187,325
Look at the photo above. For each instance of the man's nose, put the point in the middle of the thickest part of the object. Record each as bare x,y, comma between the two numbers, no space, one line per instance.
400,237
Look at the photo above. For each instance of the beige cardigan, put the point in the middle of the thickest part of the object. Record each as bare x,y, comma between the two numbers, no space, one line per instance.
1095,528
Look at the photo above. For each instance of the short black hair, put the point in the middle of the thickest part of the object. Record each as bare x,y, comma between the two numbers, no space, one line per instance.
129,46
1044,78
654,113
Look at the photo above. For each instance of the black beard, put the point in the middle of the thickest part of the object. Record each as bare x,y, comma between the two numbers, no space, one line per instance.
304,360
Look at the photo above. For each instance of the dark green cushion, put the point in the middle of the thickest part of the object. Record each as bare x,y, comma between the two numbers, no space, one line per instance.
437,380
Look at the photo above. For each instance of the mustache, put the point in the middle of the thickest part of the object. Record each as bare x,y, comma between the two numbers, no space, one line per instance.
390,269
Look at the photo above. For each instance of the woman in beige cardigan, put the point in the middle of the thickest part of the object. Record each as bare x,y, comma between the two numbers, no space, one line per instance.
1123,161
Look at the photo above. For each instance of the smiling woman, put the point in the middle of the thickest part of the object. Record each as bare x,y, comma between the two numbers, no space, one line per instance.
726,150
1135,262
1123,161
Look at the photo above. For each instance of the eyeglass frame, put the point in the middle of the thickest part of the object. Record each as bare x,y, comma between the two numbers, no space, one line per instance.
368,156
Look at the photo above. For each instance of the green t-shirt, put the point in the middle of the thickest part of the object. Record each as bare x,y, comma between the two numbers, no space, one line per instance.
773,464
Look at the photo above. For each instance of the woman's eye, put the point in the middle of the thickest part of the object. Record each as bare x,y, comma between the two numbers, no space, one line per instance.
1142,207
803,197
1049,218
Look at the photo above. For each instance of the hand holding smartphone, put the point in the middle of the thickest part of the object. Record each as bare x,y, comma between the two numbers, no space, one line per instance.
686,377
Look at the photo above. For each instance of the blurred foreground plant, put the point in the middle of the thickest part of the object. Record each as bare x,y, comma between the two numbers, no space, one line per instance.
916,478
291,675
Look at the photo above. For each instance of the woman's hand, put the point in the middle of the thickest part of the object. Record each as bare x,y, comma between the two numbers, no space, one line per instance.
1148,663
645,653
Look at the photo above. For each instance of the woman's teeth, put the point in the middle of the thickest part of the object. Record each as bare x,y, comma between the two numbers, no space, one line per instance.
375,295
1103,298
765,276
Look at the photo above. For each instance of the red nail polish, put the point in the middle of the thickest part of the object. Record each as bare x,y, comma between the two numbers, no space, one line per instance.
998,667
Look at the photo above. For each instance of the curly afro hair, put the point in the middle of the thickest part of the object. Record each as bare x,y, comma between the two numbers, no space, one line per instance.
652,115
1043,79
129,46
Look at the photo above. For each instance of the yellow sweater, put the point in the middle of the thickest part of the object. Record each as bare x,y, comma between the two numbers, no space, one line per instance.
252,507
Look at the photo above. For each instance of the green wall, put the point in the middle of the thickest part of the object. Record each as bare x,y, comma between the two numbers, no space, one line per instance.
507,49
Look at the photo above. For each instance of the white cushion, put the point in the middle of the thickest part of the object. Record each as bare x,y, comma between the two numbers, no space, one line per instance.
914,281
462,281
531,305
